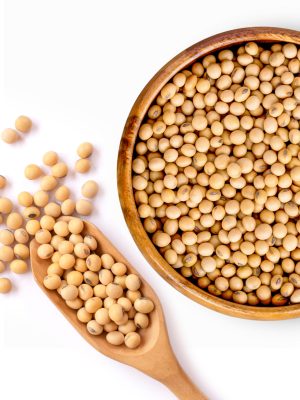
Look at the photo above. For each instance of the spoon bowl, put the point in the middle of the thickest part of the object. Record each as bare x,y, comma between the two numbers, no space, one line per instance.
154,356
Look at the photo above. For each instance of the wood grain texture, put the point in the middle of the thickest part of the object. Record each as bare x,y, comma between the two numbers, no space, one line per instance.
126,150
154,356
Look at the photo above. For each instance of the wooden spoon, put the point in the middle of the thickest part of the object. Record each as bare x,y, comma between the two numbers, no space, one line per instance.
154,356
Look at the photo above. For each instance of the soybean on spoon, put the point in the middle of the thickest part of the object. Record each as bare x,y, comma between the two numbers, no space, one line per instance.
154,356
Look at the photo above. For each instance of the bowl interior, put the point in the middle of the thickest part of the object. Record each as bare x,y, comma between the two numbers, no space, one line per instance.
126,152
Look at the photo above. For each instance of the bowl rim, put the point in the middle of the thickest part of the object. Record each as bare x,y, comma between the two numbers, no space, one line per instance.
124,169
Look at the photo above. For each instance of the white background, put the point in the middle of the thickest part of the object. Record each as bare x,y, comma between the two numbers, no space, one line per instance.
76,67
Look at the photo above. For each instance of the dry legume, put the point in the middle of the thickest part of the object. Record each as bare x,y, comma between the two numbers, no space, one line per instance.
216,174
114,306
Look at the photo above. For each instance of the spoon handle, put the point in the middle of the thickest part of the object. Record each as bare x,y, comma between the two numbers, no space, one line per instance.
181,385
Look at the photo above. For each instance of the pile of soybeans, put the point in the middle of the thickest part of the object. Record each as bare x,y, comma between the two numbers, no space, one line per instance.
103,293
216,173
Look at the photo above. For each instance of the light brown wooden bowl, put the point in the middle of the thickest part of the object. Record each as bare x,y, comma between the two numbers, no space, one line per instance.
135,118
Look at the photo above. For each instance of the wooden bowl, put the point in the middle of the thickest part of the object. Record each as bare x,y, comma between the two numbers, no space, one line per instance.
135,118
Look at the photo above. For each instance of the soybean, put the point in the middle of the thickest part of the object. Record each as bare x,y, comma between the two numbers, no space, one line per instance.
217,189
